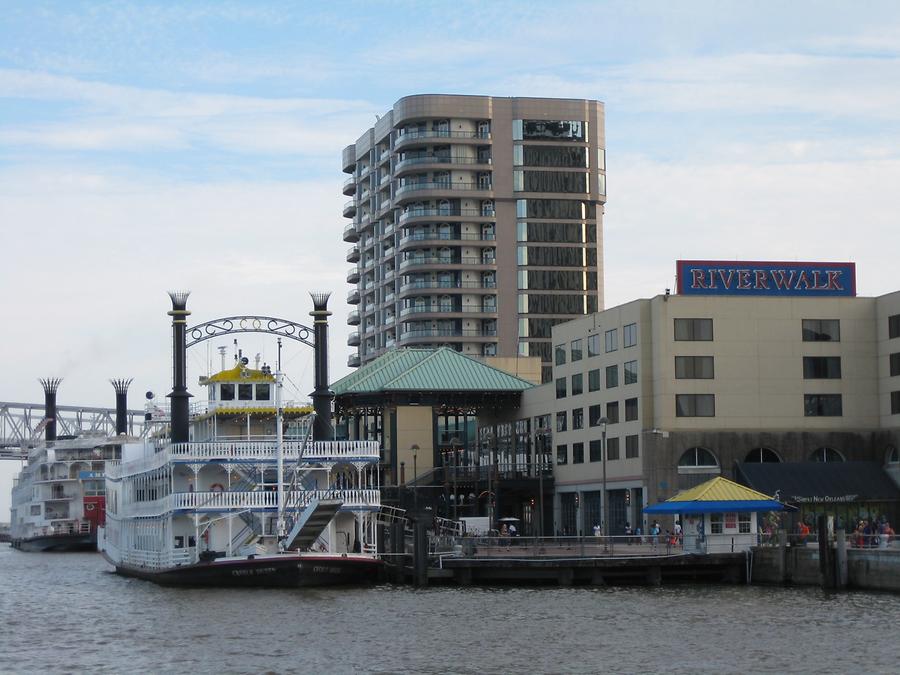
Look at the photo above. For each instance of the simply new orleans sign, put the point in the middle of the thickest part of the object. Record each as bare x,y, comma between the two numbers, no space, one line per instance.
817,279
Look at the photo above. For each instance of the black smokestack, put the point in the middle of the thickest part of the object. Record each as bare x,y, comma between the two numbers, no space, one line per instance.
50,385
322,396
121,387
180,405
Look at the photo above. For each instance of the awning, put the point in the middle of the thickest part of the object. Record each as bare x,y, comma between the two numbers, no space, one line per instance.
820,482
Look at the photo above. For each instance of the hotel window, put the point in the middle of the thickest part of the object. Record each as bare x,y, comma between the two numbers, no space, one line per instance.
895,364
595,451
594,380
577,419
595,414
695,405
893,326
576,350
694,329
698,458
629,335
629,371
826,455
631,409
821,367
577,384
612,340
561,418
612,449
612,376
560,352
577,453
744,523
593,345
821,330
715,523
562,454
895,403
612,412
822,405
632,447
560,387
694,368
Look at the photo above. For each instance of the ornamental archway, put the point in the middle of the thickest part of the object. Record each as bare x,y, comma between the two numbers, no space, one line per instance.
251,324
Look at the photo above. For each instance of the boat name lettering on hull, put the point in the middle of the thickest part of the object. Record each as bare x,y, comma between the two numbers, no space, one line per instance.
247,573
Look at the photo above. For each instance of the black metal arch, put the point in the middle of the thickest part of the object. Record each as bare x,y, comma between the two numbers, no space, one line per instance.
251,324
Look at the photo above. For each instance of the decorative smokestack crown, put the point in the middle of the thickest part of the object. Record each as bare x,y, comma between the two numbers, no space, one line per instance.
179,299
121,385
50,384
320,301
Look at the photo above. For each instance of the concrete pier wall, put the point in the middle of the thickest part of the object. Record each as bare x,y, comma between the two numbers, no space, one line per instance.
871,569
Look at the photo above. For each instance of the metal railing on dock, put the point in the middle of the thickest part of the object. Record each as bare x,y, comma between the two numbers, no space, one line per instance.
554,547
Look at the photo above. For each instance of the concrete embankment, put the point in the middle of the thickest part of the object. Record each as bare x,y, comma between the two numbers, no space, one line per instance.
871,569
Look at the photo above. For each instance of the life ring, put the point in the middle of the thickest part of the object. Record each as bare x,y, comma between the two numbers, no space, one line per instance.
89,507
217,487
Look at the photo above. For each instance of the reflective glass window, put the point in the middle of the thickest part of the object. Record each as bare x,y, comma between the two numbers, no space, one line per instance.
695,405
593,345
577,384
563,130
629,335
594,380
629,372
632,450
612,412
694,329
822,405
694,368
577,453
821,330
575,350
612,340
612,376
821,367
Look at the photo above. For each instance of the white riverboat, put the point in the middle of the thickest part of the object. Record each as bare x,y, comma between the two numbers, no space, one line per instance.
250,500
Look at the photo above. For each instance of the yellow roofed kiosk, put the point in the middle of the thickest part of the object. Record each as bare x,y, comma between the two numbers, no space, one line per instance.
718,516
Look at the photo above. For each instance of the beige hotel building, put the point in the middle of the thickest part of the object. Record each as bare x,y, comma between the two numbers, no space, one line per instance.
690,385
475,222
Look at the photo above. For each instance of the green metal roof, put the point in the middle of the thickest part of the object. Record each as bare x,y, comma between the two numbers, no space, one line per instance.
441,369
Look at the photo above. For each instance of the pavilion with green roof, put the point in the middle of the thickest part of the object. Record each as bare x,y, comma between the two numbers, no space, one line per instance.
439,415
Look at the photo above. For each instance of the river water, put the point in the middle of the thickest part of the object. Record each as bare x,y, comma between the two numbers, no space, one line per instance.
68,613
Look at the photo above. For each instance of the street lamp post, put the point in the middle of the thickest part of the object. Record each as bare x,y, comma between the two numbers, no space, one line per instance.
604,511
541,447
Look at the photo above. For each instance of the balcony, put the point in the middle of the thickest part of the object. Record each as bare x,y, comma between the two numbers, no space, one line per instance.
444,309
353,254
414,286
446,260
443,186
349,186
353,361
443,333
350,209
353,275
420,238
421,161
353,318
353,339
350,233
353,297
447,212
425,136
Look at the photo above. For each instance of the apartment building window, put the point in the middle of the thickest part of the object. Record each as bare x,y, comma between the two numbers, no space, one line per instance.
631,409
822,405
632,450
575,350
593,345
577,419
694,329
694,368
595,414
895,364
562,417
629,335
562,454
612,340
594,380
595,451
895,403
577,453
893,326
612,449
612,376
695,405
821,367
821,330
629,371
612,412
560,387
577,384
560,353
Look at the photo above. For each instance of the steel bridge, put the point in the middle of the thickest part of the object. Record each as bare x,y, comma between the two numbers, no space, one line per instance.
21,424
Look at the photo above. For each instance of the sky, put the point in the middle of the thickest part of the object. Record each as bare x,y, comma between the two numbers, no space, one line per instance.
149,146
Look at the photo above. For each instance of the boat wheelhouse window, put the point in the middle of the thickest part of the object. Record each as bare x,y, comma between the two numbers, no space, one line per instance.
179,542
226,392
263,392
245,392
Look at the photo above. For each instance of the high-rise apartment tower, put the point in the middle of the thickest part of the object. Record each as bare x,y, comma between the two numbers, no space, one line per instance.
476,223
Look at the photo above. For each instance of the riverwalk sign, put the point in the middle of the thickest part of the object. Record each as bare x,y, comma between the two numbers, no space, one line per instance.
809,279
